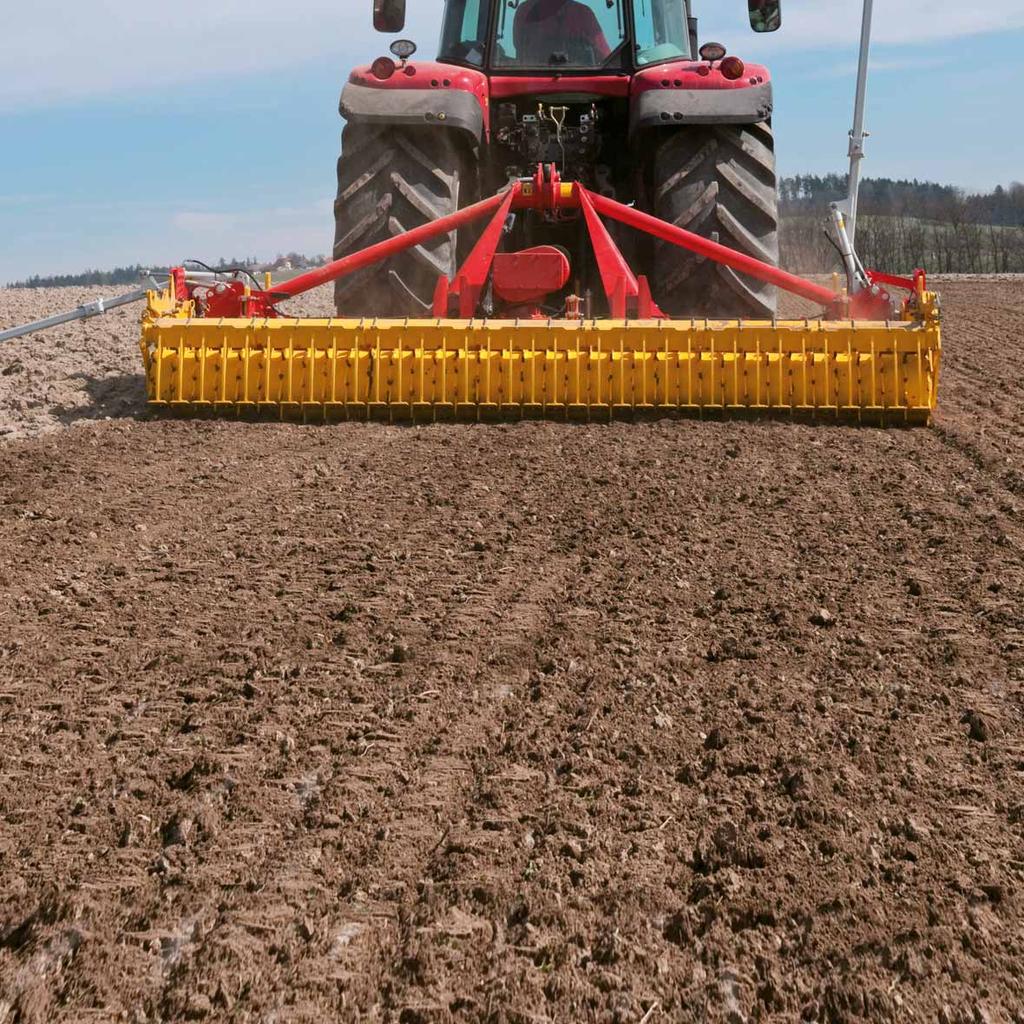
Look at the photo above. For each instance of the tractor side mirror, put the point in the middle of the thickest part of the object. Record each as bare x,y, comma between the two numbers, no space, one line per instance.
765,15
389,15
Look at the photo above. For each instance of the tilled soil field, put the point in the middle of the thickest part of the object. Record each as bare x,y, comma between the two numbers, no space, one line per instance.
669,721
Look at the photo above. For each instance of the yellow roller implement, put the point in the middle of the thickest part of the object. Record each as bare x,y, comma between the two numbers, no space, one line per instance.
444,369
213,342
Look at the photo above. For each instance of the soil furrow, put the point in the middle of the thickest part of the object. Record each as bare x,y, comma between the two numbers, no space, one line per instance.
661,721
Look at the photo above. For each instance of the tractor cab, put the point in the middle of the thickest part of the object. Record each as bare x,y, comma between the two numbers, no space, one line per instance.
565,35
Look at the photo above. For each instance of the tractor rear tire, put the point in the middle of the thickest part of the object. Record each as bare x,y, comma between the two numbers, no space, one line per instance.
390,180
719,183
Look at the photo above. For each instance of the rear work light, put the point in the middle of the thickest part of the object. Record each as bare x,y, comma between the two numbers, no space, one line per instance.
732,68
712,52
383,68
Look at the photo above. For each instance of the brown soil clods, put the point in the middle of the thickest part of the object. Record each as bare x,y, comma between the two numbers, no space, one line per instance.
670,721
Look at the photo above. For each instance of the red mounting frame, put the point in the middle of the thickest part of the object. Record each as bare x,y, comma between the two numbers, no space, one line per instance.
627,294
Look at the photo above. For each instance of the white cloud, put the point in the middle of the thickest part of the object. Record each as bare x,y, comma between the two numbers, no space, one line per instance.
812,24
117,234
54,52
198,223
264,233
896,65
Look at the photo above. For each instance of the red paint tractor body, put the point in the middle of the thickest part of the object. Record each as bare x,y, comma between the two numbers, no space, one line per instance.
618,96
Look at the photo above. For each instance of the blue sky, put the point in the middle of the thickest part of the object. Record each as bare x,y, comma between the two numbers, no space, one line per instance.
155,134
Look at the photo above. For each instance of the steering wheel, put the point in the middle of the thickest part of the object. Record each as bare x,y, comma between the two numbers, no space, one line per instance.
580,54
468,47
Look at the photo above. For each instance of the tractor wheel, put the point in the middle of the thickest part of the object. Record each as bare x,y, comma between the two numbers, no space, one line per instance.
392,179
719,183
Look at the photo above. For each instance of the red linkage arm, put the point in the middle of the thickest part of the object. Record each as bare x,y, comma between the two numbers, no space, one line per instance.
712,250
388,248
618,280
471,278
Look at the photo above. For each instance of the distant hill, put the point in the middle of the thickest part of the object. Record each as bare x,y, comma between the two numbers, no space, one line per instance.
128,276
906,224
903,224
886,197
117,276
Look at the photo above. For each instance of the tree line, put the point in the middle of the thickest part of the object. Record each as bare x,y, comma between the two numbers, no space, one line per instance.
135,274
905,224
118,276
902,225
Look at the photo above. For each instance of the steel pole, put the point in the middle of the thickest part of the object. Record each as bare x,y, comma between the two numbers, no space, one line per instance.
858,135
90,309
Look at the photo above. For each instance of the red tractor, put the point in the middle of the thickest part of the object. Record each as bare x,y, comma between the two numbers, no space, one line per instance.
615,94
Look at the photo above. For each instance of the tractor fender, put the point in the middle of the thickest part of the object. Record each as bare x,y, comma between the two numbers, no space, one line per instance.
698,93
420,94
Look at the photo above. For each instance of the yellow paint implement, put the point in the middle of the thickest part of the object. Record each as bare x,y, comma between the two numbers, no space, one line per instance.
210,341
469,369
